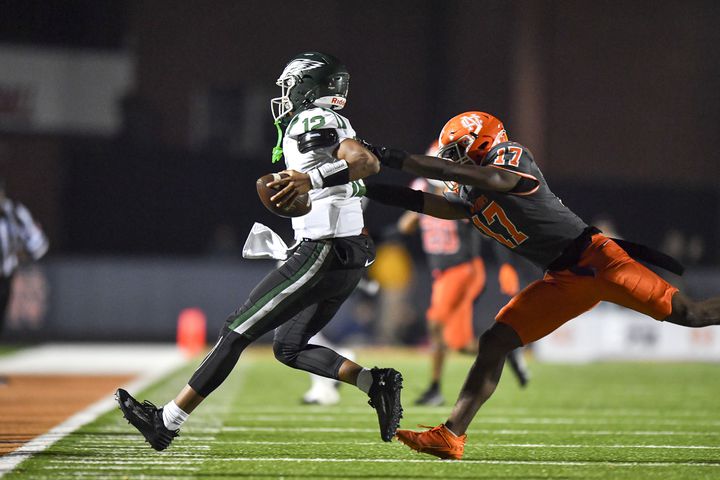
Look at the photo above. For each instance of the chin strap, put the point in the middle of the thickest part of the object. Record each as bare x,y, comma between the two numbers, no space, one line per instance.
277,151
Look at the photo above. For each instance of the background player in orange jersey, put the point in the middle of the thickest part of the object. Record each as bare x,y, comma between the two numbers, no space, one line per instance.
452,249
504,193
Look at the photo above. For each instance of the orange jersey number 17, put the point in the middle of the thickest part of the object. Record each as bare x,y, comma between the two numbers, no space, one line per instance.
494,212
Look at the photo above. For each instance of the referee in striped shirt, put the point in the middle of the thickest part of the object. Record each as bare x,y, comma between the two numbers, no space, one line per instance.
21,241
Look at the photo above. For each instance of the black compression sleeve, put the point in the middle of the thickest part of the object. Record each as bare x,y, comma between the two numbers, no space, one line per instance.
396,196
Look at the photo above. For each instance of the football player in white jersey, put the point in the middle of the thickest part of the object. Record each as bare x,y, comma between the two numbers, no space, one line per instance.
301,296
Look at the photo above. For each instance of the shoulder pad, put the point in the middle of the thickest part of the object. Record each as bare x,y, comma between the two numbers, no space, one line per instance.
518,159
317,119
314,139
508,155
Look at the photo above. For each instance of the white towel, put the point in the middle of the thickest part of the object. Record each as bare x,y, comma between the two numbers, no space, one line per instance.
262,242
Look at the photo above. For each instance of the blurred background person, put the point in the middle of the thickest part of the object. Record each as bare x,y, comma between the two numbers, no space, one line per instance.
22,241
453,252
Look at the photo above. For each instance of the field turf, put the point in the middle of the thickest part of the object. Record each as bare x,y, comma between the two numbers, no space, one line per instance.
605,421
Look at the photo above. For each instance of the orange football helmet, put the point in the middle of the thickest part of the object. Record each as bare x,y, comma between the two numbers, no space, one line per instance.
468,137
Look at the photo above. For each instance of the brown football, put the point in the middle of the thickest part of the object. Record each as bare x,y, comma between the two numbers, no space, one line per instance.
299,207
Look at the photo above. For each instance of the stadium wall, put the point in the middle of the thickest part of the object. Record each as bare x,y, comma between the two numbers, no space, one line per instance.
140,298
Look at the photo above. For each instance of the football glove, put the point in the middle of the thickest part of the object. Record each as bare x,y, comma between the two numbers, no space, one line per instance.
388,156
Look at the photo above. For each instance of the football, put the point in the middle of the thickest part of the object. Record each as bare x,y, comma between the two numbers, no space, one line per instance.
299,207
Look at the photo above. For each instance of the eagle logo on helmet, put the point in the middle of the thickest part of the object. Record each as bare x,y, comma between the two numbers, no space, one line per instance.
297,66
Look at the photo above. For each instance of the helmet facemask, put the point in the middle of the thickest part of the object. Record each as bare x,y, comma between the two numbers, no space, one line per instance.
282,105
457,152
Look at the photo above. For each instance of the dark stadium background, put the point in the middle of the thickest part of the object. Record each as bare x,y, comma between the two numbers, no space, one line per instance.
618,100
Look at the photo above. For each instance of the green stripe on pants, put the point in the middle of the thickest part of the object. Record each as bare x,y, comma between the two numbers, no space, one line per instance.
263,308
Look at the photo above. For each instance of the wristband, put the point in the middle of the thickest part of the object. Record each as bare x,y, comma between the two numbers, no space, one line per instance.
316,179
330,174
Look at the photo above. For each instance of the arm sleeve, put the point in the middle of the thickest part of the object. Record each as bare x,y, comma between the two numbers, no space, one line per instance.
456,199
396,196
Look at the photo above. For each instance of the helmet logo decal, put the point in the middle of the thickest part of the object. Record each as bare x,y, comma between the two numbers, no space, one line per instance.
300,65
500,137
472,122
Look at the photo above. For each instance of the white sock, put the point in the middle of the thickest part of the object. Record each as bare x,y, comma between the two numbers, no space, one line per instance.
454,434
364,380
173,416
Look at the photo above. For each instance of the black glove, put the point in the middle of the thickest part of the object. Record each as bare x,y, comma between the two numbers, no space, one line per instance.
389,157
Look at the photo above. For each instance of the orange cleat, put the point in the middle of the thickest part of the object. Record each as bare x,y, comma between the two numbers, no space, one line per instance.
438,441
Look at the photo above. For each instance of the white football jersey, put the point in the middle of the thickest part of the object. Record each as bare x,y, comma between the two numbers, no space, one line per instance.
334,213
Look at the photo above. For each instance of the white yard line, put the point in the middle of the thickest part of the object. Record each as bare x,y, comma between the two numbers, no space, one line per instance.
330,417
496,411
135,465
150,362
473,431
480,462
481,445
142,448
598,446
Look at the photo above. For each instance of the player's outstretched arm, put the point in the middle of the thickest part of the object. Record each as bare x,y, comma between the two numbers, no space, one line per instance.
487,178
417,201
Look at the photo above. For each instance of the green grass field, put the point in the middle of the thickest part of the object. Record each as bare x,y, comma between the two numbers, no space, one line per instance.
608,421
8,349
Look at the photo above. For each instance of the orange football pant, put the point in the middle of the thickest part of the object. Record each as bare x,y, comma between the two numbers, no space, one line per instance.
560,296
453,292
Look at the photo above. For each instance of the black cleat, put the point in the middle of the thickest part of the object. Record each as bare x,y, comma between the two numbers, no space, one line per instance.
432,397
385,399
147,418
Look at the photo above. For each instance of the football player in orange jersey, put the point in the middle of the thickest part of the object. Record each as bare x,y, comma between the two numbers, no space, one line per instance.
503,192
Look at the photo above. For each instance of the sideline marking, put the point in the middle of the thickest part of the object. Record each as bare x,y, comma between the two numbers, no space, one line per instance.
11,460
